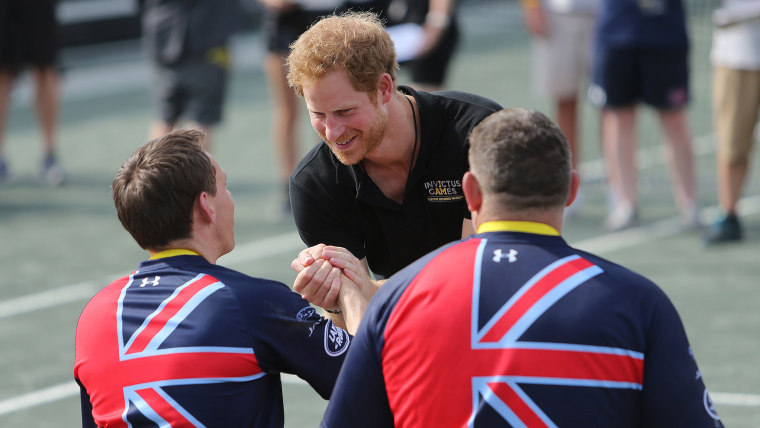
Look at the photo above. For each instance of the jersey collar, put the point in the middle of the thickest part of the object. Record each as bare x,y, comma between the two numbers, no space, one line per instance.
173,252
518,226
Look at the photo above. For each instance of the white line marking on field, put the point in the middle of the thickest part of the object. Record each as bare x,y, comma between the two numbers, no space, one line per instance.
287,242
656,230
262,248
734,399
70,389
47,299
592,170
36,398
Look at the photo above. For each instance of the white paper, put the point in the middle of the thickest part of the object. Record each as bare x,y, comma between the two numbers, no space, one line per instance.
408,39
735,12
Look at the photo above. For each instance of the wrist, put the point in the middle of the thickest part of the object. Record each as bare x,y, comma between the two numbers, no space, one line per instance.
334,311
437,19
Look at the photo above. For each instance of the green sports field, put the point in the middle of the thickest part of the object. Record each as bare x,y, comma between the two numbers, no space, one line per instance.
59,246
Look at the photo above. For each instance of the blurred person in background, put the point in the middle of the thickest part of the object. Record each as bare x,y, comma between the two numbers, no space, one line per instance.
187,43
439,39
735,57
29,38
283,22
641,56
562,42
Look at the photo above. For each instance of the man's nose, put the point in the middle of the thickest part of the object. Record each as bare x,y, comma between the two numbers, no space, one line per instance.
334,129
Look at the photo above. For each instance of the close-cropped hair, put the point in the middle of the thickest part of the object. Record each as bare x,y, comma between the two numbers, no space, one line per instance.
522,159
353,41
155,189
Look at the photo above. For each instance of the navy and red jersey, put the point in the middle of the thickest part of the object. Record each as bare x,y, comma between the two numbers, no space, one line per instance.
508,328
182,342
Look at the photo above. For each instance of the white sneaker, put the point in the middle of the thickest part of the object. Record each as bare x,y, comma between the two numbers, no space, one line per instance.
690,218
52,172
622,217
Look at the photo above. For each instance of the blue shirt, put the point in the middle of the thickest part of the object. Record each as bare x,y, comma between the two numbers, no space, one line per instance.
652,24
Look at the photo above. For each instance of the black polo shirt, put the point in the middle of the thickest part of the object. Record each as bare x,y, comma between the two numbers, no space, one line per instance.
340,205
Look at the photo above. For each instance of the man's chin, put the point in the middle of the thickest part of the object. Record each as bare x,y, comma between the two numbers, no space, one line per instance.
346,159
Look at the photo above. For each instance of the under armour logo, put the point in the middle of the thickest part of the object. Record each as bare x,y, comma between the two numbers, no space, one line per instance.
145,281
511,255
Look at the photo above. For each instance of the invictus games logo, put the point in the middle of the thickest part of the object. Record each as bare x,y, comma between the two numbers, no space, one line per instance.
444,190
336,340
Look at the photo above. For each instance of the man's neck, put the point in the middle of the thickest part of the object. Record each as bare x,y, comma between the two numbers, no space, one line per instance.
390,163
191,245
551,218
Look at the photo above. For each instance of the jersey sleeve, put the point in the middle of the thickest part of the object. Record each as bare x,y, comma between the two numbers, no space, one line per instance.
87,420
291,337
322,212
359,398
674,393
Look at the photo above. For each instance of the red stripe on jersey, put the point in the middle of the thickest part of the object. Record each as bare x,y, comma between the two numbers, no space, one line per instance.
532,296
429,364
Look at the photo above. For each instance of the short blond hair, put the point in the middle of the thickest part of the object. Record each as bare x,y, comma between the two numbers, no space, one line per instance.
354,41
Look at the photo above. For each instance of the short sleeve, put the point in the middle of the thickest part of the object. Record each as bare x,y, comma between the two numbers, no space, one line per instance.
674,393
291,337
359,398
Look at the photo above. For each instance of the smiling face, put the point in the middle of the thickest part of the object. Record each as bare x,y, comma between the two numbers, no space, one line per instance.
347,120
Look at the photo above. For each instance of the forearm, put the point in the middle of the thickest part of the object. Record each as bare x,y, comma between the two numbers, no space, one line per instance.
353,303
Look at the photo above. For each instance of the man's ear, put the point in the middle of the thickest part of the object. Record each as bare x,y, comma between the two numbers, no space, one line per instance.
385,88
205,208
575,183
473,194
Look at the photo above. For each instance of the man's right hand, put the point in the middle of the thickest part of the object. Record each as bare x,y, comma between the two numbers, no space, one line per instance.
319,269
318,281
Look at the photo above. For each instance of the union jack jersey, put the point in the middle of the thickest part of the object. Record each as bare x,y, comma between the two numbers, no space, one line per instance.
516,329
185,343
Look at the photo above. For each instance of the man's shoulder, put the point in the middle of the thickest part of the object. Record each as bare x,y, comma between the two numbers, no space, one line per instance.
319,161
460,100
624,278
237,280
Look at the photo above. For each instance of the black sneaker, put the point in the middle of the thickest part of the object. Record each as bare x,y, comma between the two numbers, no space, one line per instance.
727,229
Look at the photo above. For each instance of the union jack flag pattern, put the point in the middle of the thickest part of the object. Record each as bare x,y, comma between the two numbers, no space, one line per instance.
519,330
174,344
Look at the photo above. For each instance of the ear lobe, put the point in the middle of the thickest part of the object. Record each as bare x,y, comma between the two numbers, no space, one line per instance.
575,183
385,88
205,208
472,192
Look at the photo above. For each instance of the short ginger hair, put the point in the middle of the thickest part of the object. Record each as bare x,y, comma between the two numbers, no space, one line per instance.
354,41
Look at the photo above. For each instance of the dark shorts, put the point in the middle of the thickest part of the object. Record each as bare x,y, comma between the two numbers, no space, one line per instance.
431,69
626,76
282,29
28,34
194,89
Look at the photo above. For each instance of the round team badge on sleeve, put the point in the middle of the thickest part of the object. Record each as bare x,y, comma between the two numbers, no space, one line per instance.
307,313
709,406
336,339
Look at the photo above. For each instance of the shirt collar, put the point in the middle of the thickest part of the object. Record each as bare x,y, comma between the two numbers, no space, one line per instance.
518,226
173,252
